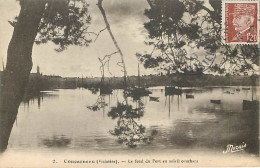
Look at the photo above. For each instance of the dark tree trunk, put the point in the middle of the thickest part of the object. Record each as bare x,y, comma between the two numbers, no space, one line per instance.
19,65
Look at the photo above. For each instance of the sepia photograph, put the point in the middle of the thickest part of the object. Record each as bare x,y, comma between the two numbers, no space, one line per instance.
129,83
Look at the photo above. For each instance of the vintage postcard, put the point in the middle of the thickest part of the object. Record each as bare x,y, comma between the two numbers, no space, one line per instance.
129,83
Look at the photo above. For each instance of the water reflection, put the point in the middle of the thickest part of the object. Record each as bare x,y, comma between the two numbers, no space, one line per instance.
100,103
39,96
128,130
175,122
170,103
56,142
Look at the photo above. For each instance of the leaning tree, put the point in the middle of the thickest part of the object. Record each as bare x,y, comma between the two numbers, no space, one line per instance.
178,30
63,22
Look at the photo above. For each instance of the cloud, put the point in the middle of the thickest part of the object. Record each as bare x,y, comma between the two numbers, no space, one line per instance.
126,21
125,8
118,11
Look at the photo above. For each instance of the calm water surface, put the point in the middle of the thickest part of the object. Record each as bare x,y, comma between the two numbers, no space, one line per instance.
60,120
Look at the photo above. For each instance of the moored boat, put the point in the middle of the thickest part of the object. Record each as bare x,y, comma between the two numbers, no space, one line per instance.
105,90
171,90
215,101
154,98
250,105
188,96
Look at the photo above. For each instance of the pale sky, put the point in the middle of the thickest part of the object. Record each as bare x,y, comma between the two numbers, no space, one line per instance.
126,18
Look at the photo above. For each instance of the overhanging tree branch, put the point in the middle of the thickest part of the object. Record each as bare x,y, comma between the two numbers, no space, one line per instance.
113,38
213,14
150,3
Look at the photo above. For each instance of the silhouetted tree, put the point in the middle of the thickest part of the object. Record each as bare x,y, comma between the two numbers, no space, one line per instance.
100,103
129,131
63,22
177,25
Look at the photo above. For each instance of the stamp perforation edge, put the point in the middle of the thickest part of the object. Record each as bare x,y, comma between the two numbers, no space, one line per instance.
223,27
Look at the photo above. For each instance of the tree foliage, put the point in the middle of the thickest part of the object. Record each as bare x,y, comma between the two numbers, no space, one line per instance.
178,26
64,22
128,130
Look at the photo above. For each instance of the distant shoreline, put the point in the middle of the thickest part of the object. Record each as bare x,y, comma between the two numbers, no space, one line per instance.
39,82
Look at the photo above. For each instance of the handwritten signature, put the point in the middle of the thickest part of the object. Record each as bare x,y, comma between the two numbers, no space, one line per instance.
234,148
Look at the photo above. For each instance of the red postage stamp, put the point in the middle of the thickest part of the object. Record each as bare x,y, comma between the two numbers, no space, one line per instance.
240,21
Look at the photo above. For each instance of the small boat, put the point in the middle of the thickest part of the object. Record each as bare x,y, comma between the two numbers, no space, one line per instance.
245,88
105,90
215,101
228,92
250,105
154,98
172,91
94,90
141,91
189,96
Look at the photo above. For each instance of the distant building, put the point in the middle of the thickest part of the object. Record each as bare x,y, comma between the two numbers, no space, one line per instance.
37,74
53,76
3,65
38,69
